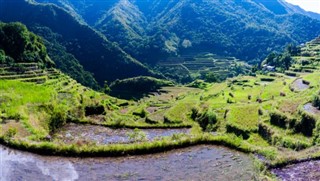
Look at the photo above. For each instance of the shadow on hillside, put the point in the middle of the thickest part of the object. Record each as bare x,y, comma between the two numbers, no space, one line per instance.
134,95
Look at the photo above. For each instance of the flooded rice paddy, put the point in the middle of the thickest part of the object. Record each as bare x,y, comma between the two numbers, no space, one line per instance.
311,109
72,133
299,85
194,163
299,172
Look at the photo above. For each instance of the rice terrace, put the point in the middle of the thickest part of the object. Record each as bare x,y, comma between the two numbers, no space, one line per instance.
194,114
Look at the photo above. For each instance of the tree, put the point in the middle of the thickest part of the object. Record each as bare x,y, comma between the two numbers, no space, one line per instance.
212,77
106,88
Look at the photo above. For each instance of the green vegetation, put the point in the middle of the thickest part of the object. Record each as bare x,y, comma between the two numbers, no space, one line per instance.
204,66
137,85
249,30
270,114
66,62
73,45
17,44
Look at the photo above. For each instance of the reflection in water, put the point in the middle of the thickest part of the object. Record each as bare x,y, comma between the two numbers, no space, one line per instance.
195,163
15,165
73,133
309,170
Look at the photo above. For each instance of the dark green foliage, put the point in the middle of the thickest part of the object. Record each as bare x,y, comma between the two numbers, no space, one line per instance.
279,119
265,132
171,120
288,142
280,61
206,118
21,45
198,84
293,50
316,134
306,82
141,113
93,51
316,101
138,85
176,73
293,74
237,131
212,77
65,61
152,31
2,56
106,88
58,117
94,110
267,79
306,125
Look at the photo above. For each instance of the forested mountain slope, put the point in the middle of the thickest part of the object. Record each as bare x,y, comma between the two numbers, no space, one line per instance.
75,41
153,30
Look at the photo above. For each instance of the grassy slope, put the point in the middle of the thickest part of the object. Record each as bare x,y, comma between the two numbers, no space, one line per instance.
243,106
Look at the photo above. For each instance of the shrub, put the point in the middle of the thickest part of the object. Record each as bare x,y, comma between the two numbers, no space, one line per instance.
94,110
58,117
10,133
307,124
137,135
292,143
267,79
2,56
279,119
293,74
265,132
237,131
316,101
205,119
306,82
316,133
140,112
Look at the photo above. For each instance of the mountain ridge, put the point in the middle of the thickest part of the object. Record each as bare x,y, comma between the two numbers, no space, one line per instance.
93,51
173,28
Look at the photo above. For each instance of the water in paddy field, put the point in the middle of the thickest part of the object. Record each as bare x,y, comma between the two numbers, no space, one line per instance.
194,163
71,133
298,85
309,170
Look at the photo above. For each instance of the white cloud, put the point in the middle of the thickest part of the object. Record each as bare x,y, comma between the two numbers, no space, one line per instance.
309,5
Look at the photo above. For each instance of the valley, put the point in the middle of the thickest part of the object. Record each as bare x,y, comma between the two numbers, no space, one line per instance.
81,97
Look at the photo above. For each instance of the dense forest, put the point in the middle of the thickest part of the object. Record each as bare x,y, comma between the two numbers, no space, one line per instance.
154,30
17,44
104,59
98,41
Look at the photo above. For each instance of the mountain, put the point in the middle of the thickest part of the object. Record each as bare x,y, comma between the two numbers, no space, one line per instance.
18,45
154,30
296,9
75,40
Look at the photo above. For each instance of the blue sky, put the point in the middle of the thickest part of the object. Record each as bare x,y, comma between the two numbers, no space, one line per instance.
309,5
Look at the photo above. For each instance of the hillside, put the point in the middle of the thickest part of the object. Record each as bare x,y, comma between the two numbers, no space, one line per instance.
274,115
76,42
152,31
18,45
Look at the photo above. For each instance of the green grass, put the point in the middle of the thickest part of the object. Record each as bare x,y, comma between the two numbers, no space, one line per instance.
241,108
244,117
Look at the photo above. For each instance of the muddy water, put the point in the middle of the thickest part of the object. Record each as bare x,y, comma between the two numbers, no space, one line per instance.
301,171
102,135
298,85
194,163
311,109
